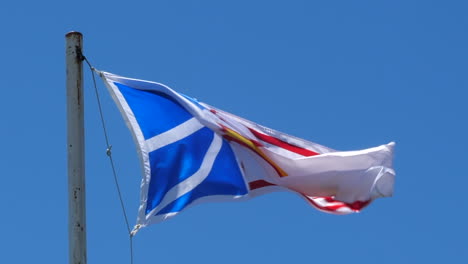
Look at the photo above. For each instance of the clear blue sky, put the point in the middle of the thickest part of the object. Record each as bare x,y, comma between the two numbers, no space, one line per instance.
345,74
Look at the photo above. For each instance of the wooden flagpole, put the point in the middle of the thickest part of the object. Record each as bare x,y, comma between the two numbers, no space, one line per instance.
75,147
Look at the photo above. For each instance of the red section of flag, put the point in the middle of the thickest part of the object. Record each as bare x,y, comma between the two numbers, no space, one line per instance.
259,184
333,205
358,205
329,204
282,144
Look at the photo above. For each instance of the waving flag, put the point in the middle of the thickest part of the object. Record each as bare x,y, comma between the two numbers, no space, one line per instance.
192,152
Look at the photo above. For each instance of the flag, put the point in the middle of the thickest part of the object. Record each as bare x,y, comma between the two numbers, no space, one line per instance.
192,153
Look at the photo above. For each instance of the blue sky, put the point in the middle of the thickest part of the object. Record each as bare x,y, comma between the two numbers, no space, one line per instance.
345,74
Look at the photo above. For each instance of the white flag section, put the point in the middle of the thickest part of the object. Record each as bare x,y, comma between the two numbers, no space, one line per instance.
192,152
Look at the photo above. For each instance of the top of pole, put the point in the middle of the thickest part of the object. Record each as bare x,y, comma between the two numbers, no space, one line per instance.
74,45
73,33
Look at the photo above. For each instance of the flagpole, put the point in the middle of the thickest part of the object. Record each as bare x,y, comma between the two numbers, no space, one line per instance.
75,147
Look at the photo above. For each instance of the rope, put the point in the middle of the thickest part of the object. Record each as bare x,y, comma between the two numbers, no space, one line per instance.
109,151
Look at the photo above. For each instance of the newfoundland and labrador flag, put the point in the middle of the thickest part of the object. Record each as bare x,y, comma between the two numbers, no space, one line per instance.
192,153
